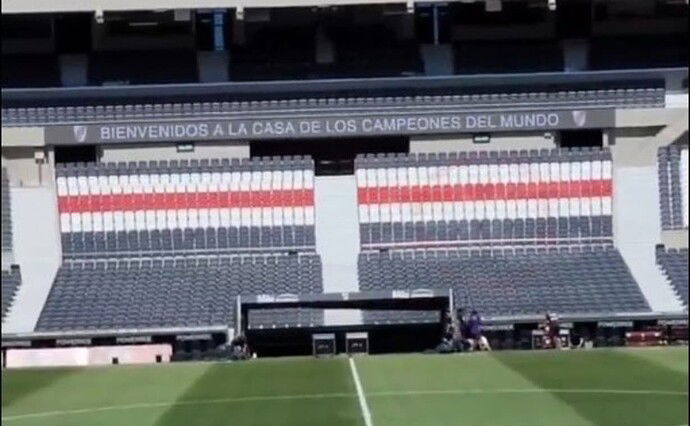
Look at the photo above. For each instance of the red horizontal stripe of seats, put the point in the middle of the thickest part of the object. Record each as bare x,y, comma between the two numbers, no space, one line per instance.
485,192
189,200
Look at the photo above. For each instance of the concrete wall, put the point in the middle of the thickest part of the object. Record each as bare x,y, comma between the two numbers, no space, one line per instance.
640,133
22,168
36,243
22,136
637,230
337,241
675,239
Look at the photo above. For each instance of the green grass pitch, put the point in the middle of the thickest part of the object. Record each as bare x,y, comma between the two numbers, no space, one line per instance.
618,387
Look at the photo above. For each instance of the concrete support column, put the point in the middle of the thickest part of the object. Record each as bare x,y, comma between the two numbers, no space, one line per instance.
213,66
74,70
575,54
325,49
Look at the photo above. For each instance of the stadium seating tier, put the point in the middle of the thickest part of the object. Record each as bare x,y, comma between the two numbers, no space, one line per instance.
674,263
172,292
510,282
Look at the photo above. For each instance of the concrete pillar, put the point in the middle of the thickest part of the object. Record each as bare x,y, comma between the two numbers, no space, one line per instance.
575,54
325,49
74,70
439,59
213,66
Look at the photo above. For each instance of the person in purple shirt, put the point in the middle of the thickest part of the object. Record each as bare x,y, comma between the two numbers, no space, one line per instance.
474,326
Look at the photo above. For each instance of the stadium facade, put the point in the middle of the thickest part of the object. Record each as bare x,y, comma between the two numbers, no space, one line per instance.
181,171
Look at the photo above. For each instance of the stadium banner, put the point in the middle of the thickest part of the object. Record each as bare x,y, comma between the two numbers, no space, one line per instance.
325,126
267,299
84,356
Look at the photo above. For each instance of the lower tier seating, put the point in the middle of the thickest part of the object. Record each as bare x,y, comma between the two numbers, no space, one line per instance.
172,292
188,241
510,282
674,263
11,280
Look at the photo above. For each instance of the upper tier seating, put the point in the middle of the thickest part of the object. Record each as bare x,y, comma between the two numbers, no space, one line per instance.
189,291
495,198
373,51
674,263
510,282
673,186
30,71
514,56
639,52
275,54
132,209
6,213
359,52
143,67
11,280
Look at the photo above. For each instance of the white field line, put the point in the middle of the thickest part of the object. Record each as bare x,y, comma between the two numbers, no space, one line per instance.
366,414
342,395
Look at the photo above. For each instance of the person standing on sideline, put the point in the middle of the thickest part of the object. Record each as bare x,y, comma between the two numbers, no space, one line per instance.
476,332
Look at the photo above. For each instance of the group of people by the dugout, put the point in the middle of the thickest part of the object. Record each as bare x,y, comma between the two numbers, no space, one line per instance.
464,335
467,334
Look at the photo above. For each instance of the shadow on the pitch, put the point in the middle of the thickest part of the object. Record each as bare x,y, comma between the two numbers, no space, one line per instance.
19,384
607,370
224,383
217,382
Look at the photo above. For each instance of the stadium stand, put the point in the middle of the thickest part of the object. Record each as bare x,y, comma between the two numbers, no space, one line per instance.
11,275
11,280
142,67
674,263
649,52
647,97
673,186
511,282
148,232
186,291
290,54
520,229
374,51
485,198
273,54
171,244
30,70
508,56
186,207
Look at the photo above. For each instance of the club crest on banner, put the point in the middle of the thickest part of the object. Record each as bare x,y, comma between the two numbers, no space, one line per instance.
580,118
80,133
